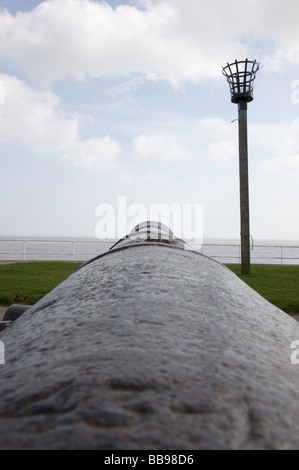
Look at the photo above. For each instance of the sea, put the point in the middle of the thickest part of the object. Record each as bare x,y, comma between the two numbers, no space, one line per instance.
279,252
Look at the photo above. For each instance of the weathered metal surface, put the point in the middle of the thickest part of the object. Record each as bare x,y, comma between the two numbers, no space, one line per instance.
14,311
150,347
5,324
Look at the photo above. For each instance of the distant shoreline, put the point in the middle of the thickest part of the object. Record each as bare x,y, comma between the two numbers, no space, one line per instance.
206,241
284,252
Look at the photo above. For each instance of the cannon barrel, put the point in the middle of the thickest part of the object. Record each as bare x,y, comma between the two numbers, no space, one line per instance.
150,346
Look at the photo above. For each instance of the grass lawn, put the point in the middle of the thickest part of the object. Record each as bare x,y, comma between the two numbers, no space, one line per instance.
26,283
278,284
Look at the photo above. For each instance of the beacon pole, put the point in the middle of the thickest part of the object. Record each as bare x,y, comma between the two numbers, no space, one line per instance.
240,76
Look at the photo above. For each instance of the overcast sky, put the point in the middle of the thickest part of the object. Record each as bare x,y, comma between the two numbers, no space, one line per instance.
101,100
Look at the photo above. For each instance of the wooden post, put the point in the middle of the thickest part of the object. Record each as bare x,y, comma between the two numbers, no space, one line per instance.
244,191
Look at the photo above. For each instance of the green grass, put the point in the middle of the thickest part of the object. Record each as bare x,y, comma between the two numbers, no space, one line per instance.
26,283
278,284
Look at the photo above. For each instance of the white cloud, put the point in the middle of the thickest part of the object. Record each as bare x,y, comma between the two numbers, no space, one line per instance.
81,38
223,150
162,146
283,166
274,158
163,40
93,154
132,84
151,176
34,119
125,176
183,139
280,144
